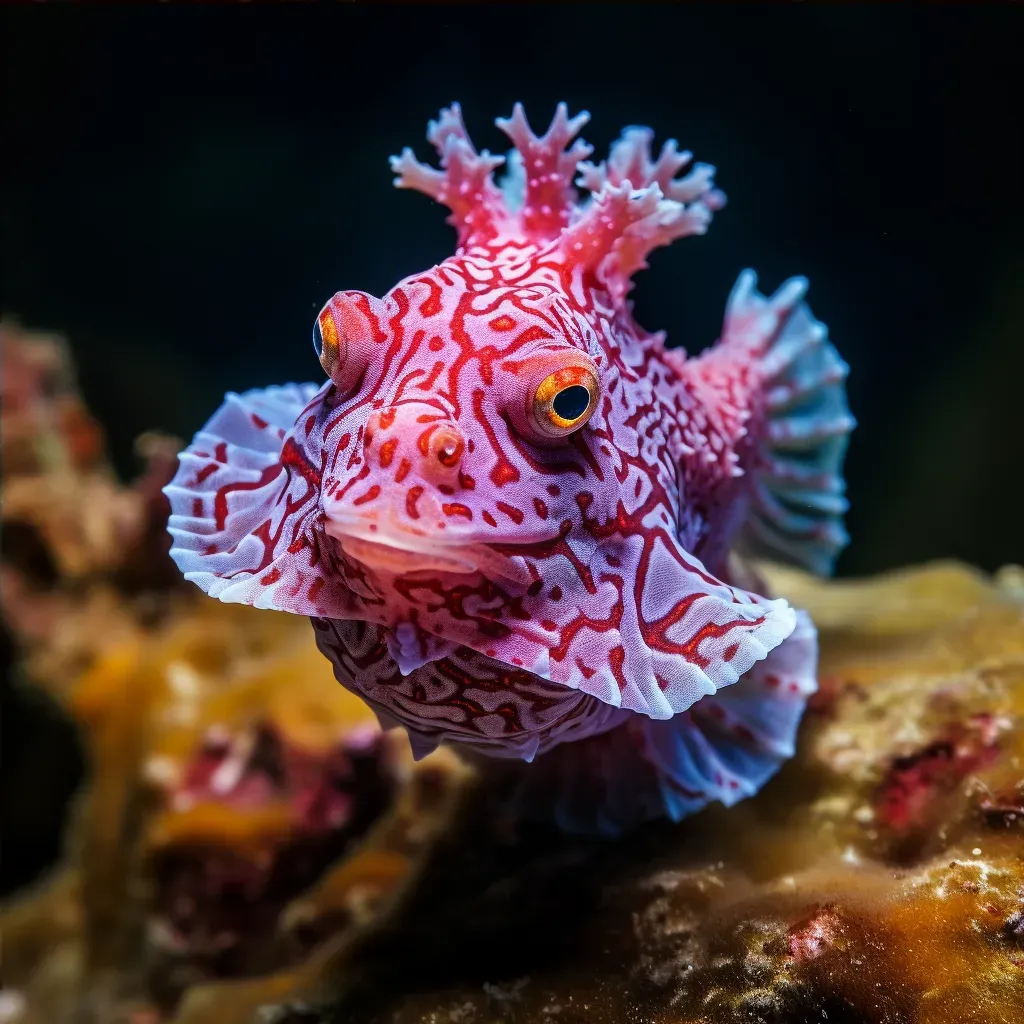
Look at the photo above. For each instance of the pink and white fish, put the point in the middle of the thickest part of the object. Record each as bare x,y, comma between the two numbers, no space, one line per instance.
512,513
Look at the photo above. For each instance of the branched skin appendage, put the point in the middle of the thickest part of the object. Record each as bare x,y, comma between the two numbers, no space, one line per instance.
509,511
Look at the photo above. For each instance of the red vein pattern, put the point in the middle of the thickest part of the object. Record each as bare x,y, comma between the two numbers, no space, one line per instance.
487,576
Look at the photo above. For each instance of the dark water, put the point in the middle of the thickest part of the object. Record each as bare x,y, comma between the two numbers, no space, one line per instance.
186,186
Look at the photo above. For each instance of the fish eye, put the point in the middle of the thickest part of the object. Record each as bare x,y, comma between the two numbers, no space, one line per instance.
343,337
565,400
327,343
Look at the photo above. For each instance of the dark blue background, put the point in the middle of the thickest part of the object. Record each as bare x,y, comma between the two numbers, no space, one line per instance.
186,186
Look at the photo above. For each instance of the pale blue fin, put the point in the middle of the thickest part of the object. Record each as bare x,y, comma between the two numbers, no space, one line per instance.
724,749
797,488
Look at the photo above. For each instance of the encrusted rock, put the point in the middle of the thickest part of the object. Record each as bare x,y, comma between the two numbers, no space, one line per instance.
249,847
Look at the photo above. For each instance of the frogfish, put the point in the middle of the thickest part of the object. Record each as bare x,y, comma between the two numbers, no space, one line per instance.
518,521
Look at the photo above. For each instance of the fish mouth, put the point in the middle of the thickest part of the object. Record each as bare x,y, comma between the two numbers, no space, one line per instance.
393,551
398,553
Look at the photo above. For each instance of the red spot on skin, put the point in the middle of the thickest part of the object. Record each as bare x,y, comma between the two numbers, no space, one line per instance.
271,577
206,471
455,509
435,344
542,509
428,383
258,421
466,481
315,587
616,660
423,441
730,652
556,593
403,470
220,453
532,333
197,507
343,441
310,424
504,473
554,490
387,452
511,511
772,682
488,518
373,492
549,625
613,560
410,501
502,323
387,419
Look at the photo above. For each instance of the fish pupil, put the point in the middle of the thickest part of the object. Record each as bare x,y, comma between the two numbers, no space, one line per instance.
571,403
318,340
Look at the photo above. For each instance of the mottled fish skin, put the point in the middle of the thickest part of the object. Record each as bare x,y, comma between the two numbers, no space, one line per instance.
510,510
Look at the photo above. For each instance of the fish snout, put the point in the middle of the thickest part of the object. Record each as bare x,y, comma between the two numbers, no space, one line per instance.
413,440
405,514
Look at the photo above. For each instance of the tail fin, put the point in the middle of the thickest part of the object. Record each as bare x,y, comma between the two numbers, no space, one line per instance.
797,494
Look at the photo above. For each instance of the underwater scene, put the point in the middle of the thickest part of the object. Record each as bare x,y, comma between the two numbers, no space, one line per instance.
511,514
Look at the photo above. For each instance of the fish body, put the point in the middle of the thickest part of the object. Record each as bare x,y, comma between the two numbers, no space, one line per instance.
511,512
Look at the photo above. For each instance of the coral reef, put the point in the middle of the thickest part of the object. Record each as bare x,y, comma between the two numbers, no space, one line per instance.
249,847
230,778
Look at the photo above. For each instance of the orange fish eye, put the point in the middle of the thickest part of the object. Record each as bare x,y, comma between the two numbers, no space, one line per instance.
344,334
326,341
565,400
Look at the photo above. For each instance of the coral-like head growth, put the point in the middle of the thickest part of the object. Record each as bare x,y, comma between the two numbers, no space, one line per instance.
634,204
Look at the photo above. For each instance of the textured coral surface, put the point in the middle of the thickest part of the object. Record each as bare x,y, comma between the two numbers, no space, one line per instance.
248,846
880,877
